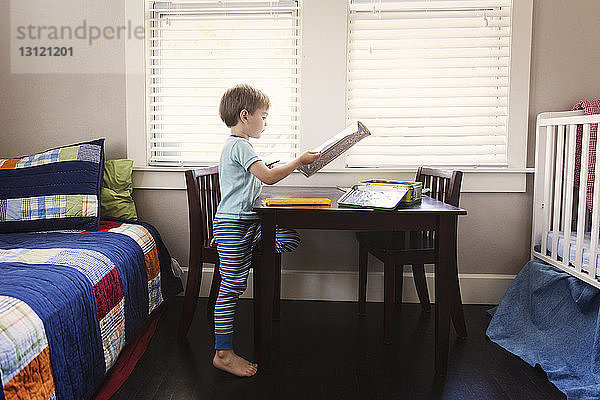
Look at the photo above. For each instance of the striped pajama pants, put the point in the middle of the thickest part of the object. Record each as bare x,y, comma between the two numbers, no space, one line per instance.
236,239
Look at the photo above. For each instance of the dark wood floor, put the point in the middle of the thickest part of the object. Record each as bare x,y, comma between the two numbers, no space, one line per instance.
325,351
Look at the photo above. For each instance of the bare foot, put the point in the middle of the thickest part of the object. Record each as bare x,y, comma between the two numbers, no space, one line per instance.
228,361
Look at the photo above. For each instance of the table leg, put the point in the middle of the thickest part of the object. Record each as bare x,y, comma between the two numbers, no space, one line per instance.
363,255
263,295
443,290
388,295
456,310
277,288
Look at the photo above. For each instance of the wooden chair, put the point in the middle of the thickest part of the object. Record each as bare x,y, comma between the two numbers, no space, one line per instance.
391,249
204,195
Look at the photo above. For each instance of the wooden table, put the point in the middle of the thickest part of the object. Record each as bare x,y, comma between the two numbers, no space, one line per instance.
431,215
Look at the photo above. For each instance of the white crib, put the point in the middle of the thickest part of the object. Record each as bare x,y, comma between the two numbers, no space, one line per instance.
565,231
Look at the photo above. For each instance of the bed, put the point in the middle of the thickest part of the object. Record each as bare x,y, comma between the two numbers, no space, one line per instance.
71,300
550,315
566,189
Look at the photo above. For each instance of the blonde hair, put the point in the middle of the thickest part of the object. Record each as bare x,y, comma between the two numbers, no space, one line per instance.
238,98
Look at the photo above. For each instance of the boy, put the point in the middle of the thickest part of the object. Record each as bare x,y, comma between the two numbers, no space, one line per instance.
244,109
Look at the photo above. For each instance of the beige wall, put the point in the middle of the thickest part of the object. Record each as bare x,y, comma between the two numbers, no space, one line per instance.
565,57
42,111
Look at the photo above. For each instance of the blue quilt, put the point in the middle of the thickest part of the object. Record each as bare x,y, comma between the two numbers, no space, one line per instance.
550,318
70,301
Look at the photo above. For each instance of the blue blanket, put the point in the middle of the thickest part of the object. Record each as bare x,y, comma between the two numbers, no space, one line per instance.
64,299
91,290
550,318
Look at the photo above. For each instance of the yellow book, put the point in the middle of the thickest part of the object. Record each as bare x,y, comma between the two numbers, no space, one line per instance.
300,201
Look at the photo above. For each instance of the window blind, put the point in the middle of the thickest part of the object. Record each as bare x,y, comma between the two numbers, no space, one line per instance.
430,80
198,49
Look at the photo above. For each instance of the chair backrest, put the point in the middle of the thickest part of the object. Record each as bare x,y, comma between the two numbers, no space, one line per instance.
444,184
204,195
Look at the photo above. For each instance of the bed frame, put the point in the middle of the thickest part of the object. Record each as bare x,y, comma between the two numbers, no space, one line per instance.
559,207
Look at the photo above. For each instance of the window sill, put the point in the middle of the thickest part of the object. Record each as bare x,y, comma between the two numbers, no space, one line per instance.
475,180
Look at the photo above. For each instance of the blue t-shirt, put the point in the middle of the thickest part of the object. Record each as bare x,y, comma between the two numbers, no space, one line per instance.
239,187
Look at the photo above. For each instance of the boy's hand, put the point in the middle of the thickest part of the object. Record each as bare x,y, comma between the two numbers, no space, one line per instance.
309,157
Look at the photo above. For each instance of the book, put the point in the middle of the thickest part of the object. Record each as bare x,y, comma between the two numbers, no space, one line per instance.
336,146
379,195
299,201
415,190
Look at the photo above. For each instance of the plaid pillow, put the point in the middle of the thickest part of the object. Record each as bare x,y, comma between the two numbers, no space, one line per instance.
56,189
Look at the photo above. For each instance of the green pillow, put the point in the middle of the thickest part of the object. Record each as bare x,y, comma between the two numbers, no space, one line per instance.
116,200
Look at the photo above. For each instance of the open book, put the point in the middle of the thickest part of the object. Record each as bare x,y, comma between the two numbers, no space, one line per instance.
334,147
379,197
382,194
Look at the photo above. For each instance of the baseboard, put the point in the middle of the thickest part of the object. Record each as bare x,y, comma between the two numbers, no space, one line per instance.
343,286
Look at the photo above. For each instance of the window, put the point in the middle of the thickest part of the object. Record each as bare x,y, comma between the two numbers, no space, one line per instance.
196,50
430,79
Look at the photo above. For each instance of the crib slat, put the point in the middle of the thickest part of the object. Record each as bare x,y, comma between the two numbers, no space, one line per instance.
595,222
583,176
558,175
568,205
549,164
